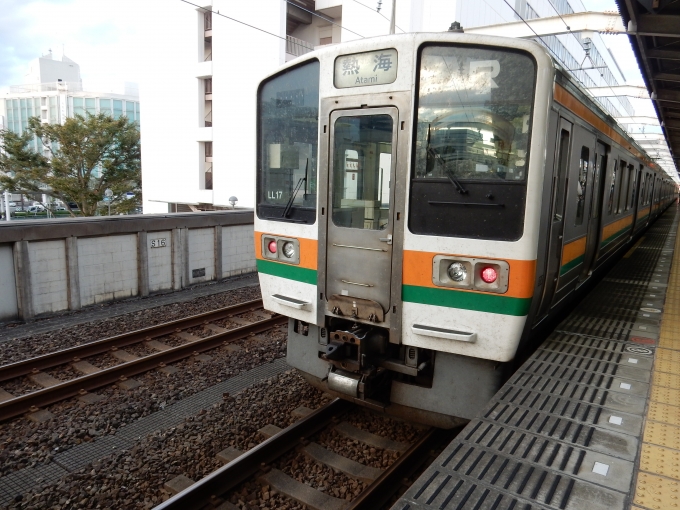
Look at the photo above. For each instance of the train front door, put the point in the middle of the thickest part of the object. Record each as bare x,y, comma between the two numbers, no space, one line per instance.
361,173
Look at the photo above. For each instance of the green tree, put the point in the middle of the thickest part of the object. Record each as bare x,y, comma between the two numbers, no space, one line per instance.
87,155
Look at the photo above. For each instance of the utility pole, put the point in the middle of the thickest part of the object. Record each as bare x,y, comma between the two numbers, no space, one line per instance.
8,212
394,7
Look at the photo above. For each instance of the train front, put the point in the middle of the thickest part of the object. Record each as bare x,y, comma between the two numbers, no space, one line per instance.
398,192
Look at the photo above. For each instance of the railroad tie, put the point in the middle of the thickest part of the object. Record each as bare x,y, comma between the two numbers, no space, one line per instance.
44,379
187,336
351,468
370,439
215,328
5,396
85,368
157,346
124,355
300,492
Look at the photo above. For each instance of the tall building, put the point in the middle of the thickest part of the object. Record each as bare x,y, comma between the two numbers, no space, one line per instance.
199,98
53,91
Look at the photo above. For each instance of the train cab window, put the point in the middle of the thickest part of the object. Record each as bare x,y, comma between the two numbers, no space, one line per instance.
287,139
471,142
582,184
362,163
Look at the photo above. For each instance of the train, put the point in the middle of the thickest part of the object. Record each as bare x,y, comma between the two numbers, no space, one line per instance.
425,203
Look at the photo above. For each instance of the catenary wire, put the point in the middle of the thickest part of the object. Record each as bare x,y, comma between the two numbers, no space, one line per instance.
323,18
378,12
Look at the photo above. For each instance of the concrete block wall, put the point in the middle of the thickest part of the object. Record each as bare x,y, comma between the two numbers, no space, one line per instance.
107,268
49,277
54,265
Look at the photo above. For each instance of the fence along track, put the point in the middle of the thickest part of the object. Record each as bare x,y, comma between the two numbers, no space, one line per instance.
209,490
81,385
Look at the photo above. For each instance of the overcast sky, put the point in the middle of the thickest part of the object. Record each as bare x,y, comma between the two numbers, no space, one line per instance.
105,36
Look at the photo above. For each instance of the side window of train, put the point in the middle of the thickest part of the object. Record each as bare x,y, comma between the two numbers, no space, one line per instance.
612,187
582,184
631,186
621,195
563,165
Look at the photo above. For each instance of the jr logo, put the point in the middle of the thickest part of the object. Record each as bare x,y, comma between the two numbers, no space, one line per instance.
490,68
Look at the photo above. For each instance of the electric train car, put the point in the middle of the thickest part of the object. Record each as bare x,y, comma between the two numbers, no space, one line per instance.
424,202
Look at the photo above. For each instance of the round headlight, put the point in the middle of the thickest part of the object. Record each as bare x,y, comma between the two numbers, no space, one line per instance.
457,272
288,250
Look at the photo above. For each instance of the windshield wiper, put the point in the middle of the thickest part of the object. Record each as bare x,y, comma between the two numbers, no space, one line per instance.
289,205
456,183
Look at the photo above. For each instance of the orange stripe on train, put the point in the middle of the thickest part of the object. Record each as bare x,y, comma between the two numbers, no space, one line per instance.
573,250
417,270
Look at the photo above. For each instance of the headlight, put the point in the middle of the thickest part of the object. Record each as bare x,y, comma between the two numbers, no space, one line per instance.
457,272
288,250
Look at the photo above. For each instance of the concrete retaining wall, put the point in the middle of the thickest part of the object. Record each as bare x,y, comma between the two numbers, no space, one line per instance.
49,266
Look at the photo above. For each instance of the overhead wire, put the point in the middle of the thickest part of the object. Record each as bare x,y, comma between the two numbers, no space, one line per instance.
205,9
322,17
380,13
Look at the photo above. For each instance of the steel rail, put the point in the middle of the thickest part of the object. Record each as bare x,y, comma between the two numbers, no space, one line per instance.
81,385
53,359
388,483
238,470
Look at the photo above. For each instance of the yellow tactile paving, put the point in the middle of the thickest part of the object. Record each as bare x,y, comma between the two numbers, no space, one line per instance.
667,366
657,493
665,395
660,461
658,483
664,412
662,434
670,355
666,380
669,343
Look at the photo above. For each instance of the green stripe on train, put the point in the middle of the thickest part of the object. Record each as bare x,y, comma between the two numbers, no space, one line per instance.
571,265
492,303
299,274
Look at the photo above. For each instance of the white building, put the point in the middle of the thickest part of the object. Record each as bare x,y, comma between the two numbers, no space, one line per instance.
198,138
53,91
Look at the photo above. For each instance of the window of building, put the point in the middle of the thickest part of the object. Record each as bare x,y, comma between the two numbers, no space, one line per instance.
208,86
54,109
138,117
90,106
130,110
208,149
78,106
105,106
117,108
582,184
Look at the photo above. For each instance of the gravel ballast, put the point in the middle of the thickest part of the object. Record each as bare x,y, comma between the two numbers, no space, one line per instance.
134,479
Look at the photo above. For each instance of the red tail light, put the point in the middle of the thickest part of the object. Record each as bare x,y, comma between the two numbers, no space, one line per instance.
272,246
489,274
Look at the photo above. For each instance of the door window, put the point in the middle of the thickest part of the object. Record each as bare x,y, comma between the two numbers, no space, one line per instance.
582,184
362,164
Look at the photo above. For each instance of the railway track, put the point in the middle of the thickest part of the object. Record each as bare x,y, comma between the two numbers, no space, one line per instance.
56,390
210,492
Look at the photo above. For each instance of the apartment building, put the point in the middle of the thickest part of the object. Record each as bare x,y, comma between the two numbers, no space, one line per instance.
206,61
53,91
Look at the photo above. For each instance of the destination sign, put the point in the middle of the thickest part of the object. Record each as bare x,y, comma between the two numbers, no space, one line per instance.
370,68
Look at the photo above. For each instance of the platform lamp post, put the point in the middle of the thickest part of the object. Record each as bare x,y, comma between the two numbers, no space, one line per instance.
107,196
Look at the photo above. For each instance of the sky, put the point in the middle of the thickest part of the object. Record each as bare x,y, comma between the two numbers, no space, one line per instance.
102,36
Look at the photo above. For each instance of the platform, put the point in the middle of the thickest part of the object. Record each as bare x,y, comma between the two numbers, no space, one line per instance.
592,419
